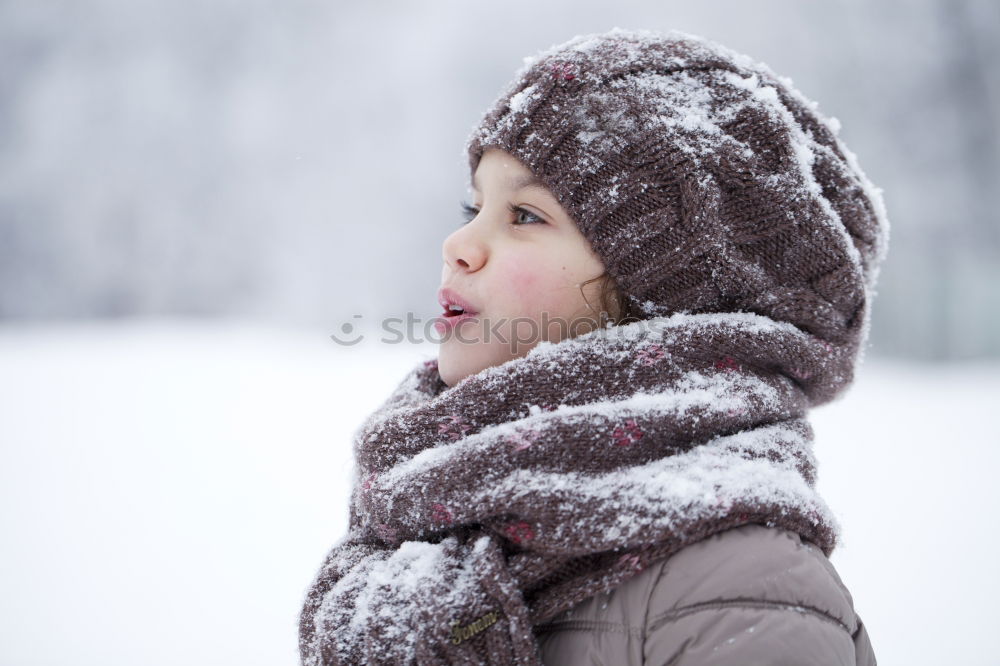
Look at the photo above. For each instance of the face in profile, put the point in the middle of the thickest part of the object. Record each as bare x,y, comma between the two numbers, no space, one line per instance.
512,273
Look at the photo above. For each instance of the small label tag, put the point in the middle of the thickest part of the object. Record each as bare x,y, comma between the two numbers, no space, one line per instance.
460,633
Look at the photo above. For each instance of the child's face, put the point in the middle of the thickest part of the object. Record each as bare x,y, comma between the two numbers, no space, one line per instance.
510,268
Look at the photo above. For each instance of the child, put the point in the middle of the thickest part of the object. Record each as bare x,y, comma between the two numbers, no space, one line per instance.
634,484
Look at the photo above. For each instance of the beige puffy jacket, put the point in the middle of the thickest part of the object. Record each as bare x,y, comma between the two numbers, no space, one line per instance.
746,596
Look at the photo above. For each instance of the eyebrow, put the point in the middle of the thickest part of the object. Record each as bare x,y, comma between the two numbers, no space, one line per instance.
522,183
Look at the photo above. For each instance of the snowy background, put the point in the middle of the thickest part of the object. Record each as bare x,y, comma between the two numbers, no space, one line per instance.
168,489
195,195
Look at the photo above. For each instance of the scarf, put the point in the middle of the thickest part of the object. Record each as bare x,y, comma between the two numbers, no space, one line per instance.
486,508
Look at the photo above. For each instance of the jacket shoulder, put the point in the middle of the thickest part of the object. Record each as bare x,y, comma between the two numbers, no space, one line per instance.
752,562
735,595
753,594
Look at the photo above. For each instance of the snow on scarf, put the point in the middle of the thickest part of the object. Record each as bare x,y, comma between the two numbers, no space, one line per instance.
482,509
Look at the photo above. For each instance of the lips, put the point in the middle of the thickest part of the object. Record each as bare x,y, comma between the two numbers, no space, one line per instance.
454,305
456,310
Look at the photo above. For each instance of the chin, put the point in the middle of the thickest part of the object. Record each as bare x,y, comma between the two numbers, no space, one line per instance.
448,374
452,367
456,361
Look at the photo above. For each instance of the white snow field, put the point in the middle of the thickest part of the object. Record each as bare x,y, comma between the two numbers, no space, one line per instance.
169,488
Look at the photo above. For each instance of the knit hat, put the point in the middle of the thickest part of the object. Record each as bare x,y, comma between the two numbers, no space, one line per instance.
704,181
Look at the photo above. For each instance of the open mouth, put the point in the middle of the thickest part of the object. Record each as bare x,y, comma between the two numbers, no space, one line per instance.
453,304
456,310
452,318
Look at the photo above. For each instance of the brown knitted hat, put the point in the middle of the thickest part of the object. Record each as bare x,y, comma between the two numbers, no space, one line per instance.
704,181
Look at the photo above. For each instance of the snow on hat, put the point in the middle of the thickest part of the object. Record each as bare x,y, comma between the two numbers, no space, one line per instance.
704,181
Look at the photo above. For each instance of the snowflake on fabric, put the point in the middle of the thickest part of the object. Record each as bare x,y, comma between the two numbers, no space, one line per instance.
800,374
727,363
814,517
441,514
367,485
386,531
541,407
454,426
627,434
522,439
717,501
563,70
519,532
650,354
630,561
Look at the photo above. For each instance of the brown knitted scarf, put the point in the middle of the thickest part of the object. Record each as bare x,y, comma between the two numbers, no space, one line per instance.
482,509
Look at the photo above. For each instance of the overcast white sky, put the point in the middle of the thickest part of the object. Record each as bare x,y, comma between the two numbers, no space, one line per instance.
301,161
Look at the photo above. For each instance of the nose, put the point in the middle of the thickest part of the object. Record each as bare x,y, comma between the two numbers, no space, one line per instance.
464,250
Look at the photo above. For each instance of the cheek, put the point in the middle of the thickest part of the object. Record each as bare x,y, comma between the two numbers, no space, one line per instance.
532,276
525,282
537,286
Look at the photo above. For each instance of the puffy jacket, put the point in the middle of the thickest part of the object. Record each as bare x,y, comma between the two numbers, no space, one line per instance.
746,596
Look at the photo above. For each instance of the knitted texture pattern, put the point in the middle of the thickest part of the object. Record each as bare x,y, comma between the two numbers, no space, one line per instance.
482,509
704,181
742,229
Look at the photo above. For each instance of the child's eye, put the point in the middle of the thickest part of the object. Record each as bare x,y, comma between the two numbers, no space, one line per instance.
517,210
469,212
